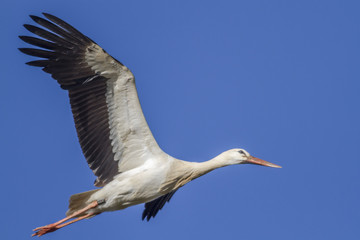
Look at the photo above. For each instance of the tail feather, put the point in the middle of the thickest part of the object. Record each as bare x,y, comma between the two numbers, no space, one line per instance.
79,201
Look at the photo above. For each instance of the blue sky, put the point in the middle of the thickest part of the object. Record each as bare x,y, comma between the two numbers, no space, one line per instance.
278,78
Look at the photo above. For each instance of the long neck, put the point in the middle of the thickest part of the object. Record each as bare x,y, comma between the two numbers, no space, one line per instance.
197,169
201,168
183,172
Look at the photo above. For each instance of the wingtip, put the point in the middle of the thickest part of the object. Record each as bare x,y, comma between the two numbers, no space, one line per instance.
48,15
25,50
31,28
28,26
146,216
22,50
35,18
29,63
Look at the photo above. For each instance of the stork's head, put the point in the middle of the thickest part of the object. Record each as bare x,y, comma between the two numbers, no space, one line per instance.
240,156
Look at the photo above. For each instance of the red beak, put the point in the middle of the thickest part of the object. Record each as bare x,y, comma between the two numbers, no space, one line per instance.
258,161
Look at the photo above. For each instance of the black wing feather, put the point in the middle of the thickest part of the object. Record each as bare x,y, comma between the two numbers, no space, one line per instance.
39,42
74,32
153,207
52,27
64,59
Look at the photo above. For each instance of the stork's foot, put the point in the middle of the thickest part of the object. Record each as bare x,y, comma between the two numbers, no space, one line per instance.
39,231
66,221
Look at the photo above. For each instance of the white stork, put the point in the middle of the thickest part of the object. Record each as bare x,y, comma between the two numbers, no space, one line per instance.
114,136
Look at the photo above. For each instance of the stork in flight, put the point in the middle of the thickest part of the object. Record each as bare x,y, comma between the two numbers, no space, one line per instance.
114,136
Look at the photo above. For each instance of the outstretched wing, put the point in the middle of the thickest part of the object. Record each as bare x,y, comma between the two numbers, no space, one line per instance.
112,130
153,207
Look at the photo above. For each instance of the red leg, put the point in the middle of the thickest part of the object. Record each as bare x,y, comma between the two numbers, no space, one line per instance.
46,230
59,224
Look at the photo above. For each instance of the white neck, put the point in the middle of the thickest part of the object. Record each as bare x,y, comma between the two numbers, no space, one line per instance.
202,168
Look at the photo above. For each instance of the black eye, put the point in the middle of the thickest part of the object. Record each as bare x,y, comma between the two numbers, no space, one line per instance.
241,152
